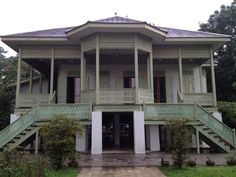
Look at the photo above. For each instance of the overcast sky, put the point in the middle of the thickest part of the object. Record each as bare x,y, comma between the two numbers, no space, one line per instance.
29,15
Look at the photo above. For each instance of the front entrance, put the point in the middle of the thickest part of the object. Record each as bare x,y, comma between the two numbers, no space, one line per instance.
117,131
73,89
159,89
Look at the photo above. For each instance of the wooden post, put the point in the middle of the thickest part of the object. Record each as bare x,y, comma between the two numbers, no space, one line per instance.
200,74
97,71
151,71
82,70
52,71
213,83
197,142
180,72
36,148
136,69
31,80
18,78
40,83
148,73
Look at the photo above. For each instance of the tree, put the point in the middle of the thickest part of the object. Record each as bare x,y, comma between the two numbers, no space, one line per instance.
2,51
8,73
224,22
180,140
59,136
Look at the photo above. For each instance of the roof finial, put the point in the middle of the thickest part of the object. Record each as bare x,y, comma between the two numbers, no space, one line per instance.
115,13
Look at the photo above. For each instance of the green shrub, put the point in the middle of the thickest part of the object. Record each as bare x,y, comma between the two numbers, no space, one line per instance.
228,110
59,136
180,140
21,164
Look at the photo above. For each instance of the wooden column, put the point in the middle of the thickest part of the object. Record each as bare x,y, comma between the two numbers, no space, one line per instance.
97,71
136,69
197,142
148,73
151,71
180,73
40,83
31,80
18,78
82,70
36,145
213,83
52,71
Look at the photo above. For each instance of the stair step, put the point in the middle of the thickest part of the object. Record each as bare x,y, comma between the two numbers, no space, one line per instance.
28,129
12,141
34,125
211,133
22,133
17,137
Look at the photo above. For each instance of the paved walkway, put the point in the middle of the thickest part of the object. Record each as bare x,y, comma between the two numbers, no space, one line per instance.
121,172
146,160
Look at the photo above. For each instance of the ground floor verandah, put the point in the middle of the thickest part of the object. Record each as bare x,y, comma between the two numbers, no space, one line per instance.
138,160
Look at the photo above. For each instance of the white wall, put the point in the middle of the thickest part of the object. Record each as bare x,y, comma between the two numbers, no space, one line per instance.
139,134
96,133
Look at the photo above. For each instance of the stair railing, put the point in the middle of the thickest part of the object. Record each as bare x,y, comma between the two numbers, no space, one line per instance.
12,130
218,127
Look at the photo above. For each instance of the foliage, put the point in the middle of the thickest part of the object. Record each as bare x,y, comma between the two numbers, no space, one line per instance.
59,136
2,51
228,110
224,22
231,158
180,140
20,163
65,172
7,95
200,171
8,70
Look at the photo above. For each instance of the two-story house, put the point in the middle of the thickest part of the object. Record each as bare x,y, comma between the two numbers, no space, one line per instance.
123,79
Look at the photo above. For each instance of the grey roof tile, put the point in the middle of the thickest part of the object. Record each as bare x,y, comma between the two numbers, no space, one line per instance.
171,32
179,33
117,19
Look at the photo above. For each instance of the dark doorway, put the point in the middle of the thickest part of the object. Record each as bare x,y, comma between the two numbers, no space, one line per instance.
163,138
73,90
120,136
159,89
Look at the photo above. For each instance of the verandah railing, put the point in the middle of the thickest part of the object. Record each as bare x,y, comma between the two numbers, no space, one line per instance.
193,112
43,113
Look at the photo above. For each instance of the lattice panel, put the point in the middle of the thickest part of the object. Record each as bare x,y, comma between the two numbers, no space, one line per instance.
75,111
144,43
67,52
203,99
145,96
88,43
88,96
169,111
113,41
165,52
31,99
36,51
117,96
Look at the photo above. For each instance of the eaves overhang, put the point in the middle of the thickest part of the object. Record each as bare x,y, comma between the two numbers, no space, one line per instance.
97,27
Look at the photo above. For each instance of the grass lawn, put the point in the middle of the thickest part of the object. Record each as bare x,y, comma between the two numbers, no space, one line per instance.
200,171
67,172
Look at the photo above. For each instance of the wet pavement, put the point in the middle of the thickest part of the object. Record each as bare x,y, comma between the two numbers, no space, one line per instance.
144,160
121,172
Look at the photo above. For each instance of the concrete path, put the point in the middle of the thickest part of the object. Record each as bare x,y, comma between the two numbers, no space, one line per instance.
121,172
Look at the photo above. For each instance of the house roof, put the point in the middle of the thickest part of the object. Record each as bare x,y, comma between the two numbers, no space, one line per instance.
171,32
117,19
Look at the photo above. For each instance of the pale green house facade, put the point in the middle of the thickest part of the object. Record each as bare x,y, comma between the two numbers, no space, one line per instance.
123,79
